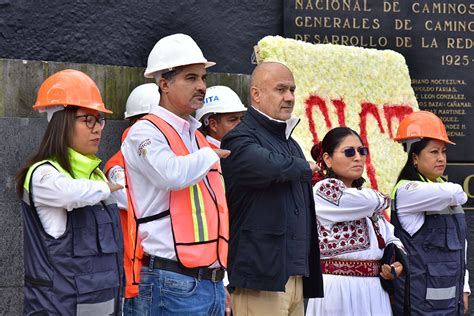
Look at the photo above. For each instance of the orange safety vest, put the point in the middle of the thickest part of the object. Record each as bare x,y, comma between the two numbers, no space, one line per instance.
213,146
131,289
199,214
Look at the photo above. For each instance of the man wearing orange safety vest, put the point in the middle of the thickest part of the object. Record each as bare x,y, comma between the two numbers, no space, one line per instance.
138,104
222,111
177,212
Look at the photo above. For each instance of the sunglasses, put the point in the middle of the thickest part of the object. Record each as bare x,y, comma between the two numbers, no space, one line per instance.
351,151
91,120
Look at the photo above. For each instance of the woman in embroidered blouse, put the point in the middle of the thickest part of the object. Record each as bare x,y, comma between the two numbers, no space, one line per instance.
352,230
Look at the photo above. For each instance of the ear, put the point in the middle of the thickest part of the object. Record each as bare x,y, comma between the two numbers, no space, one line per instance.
255,94
327,160
212,124
415,159
164,85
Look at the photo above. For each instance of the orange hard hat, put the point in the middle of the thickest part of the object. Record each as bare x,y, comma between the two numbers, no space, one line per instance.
70,87
422,124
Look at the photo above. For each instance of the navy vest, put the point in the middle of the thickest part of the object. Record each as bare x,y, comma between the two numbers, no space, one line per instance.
79,273
437,263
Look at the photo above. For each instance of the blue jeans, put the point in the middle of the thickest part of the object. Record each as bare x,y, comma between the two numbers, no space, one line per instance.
168,293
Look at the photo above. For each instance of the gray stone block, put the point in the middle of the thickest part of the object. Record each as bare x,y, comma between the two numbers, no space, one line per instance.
20,137
124,32
11,301
11,245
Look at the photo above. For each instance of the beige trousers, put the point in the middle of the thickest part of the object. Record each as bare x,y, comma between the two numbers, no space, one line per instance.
247,302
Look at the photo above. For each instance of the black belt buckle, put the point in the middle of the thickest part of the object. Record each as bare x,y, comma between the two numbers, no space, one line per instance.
216,276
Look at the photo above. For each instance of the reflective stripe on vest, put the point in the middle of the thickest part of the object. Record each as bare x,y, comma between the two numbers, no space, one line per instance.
200,223
199,214
440,293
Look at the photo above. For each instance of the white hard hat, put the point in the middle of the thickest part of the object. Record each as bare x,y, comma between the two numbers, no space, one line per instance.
174,51
220,99
141,99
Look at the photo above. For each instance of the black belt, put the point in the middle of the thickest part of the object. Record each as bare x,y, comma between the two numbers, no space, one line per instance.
214,275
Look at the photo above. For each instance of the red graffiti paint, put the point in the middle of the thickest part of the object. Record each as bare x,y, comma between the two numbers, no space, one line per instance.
340,111
395,111
312,102
315,101
366,109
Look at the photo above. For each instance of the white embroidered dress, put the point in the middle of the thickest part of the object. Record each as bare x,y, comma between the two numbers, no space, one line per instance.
346,233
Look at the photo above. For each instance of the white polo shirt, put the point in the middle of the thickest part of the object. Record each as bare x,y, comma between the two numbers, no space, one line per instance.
154,170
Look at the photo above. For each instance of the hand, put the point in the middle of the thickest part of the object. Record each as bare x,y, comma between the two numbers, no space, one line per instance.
466,302
228,303
387,270
222,153
314,167
114,186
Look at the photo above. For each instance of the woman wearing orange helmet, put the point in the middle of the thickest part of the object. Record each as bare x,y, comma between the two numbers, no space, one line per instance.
72,237
429,220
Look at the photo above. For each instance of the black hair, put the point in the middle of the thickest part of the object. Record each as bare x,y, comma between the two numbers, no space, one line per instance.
409,171
205,128
54,145
330,142
169,76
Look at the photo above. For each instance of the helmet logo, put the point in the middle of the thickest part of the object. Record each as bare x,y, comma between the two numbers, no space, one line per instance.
211,98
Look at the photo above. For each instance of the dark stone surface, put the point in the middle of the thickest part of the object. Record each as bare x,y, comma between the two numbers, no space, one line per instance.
11,245
14,150
11,299
124,32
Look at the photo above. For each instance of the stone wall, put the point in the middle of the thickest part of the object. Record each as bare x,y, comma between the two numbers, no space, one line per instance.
122,32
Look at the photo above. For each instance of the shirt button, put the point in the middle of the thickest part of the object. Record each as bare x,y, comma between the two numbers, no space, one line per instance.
297,212
293,237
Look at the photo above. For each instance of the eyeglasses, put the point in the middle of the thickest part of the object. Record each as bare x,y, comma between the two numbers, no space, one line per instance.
351,151
91,120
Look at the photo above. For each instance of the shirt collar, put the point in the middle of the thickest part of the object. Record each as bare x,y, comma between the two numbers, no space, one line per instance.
179,124
425,179
82,165
213,141
290,123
